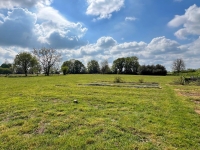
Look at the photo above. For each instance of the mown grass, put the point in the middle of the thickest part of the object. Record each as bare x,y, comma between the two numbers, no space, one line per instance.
39,113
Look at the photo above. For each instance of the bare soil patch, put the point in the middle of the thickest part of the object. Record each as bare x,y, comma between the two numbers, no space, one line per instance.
189,94
125,84
197,111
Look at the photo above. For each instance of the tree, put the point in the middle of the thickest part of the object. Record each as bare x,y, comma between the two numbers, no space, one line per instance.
79,67
74,66
131,65
24,61
118,65
69,64
178,65
160,70
152,70
6,68
128,65
6,65
105,67
64,70
93,66
47,58
36,69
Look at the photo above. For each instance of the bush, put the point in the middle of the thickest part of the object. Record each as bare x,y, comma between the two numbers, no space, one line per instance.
118,79
180,81
141,80
64,69
5,70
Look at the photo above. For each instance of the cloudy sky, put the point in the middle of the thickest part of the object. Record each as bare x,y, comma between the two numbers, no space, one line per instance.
153,30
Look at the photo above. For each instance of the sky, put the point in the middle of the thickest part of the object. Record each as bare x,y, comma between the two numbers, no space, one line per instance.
156,31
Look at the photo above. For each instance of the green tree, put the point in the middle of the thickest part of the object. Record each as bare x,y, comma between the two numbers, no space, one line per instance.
105,67
6,65
47,58
74,66
152,70
131,65
128,65
69,65
6,68
25,61
118,65
93,66
64,70
79,67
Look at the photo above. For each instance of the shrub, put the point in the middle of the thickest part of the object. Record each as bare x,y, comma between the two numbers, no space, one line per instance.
141,80
118,79
180,80
64,69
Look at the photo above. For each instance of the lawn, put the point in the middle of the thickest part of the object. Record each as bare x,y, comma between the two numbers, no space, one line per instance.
40,113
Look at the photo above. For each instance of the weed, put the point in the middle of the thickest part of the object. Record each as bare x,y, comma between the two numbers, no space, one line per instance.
118,79
141,80
180,80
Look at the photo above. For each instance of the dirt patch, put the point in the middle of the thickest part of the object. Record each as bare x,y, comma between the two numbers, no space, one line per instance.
125,84
197,111
190,94
196,101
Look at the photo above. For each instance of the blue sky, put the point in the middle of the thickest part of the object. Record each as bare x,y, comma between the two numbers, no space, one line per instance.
154,31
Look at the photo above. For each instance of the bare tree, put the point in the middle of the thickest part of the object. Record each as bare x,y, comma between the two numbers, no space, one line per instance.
48,58
178,65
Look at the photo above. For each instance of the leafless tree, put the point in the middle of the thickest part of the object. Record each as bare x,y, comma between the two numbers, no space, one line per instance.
47,58
178,65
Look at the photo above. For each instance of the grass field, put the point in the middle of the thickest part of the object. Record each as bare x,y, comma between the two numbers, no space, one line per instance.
40,113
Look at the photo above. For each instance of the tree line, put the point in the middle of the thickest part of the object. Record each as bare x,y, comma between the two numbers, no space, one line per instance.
46,61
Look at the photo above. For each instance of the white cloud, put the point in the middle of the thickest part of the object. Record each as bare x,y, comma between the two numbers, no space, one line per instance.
47,13
90,49
162,45
10,4
190,22
106,42
130,19
35,29
192,49
9,53
102,46
177,21
103,8
131,47
57,31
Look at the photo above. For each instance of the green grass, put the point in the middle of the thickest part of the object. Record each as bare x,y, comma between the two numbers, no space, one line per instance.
39,113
